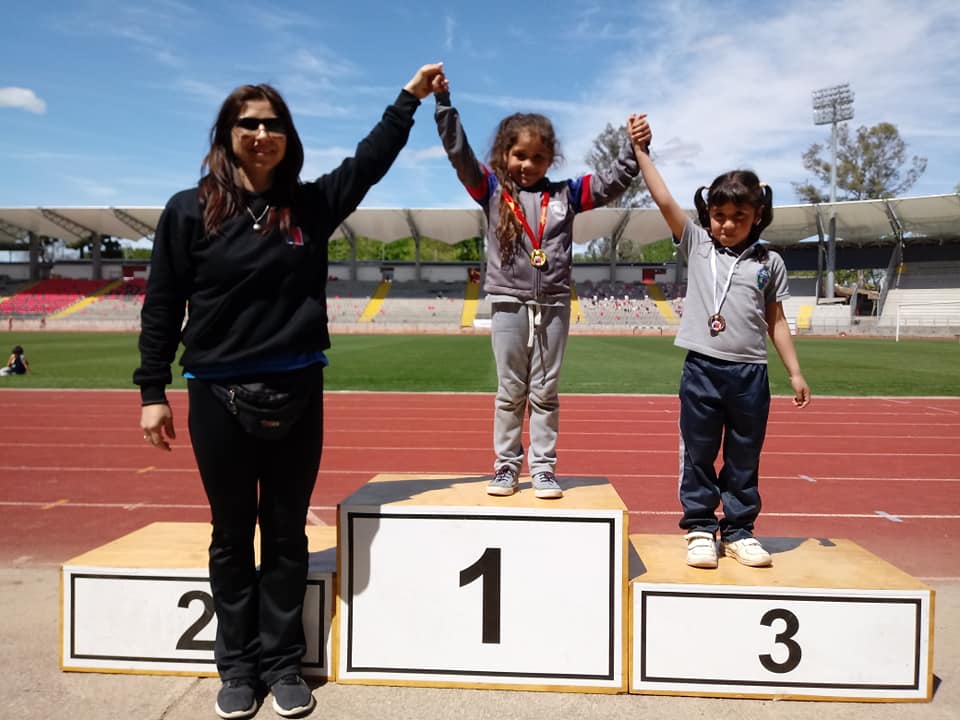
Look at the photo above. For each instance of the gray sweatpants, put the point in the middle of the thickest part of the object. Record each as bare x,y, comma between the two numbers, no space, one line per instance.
528,372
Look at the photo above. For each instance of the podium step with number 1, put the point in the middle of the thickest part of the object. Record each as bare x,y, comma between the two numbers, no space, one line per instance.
441,584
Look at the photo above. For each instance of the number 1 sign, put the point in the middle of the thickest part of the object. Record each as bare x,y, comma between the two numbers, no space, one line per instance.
481,596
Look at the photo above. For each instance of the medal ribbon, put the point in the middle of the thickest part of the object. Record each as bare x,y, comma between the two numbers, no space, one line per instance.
718,302
518,212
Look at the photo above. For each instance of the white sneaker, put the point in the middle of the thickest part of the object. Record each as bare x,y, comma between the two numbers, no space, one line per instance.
701,550
748,551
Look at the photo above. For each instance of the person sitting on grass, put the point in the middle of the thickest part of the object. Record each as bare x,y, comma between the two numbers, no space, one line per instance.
17,363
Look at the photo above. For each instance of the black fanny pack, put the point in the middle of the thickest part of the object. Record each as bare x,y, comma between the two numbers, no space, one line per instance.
270,406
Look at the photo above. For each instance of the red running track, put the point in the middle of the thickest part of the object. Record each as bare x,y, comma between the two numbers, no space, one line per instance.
883,472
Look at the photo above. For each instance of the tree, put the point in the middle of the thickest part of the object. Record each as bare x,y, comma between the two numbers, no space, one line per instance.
871,165
603,154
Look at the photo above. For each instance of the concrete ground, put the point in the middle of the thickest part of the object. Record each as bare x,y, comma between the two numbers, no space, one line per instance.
33,687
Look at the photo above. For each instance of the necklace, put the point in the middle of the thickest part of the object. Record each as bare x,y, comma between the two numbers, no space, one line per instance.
257,219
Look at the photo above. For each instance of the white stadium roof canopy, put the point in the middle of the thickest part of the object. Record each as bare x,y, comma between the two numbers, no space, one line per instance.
859,222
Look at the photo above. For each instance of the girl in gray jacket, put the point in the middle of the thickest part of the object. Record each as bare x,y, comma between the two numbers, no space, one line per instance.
528,280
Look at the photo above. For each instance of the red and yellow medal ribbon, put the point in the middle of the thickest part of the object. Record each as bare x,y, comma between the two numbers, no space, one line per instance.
537,239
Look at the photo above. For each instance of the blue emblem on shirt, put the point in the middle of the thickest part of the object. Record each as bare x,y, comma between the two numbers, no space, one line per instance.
763,277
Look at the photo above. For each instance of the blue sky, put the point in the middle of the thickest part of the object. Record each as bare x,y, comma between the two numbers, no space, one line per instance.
104,102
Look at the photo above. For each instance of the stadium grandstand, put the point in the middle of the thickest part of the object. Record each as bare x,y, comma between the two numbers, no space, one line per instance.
900,259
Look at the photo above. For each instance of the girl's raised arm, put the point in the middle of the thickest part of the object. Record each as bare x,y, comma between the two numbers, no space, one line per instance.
640,135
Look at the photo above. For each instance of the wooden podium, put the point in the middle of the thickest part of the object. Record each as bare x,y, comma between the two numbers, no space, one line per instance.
142,603
828,621
441,584
429,581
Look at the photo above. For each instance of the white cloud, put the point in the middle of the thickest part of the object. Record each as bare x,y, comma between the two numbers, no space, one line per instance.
512,103
322,64
23,99
320,110
449,26
92,188
739,86
204,91
434,152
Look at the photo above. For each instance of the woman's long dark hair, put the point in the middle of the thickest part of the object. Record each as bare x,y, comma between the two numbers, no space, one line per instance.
221,192
508,132
740,187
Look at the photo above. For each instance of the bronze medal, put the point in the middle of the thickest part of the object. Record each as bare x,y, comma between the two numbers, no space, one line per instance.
538,258
717,323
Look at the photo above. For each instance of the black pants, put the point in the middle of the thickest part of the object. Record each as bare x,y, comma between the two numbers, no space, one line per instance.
722,402
249,480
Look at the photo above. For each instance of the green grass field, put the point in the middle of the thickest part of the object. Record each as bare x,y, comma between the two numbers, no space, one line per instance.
606,364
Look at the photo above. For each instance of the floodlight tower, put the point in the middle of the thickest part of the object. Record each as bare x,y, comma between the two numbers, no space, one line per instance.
832,105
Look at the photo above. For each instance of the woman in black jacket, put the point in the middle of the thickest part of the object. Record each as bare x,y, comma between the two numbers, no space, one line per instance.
245,255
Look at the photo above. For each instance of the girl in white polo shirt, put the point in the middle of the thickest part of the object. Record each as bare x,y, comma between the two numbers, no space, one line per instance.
735,290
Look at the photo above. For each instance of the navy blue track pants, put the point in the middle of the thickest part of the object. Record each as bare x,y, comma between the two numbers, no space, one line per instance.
722,404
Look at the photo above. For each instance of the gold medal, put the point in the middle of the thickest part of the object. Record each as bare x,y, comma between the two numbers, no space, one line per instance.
717,323
538,258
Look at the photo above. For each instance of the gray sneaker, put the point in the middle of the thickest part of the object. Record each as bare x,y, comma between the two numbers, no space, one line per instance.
546,487
237,699
504,483
292,696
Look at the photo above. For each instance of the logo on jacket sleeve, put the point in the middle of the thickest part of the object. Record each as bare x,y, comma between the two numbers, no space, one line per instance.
295,237
763,277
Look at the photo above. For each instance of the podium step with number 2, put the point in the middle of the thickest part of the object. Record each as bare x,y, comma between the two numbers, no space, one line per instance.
142,603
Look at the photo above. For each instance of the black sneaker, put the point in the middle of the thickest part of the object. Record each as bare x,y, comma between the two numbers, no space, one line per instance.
237,699
292,696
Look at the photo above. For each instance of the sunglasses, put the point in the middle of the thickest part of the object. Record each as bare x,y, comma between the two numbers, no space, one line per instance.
273,125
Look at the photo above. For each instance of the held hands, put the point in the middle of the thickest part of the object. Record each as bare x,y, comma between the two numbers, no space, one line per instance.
640,133
441,84
421,84
156,421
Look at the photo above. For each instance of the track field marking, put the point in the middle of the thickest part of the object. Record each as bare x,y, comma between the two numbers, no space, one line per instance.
567,450
871,516
807,478
148,468
654,513
192,471
887,516
944,410
61,501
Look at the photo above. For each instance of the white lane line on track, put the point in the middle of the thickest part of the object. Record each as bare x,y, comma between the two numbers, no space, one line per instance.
457,474
887,516
871,516
584,450
321,508
807,478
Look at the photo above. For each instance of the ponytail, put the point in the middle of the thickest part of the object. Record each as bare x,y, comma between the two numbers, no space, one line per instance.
703,214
